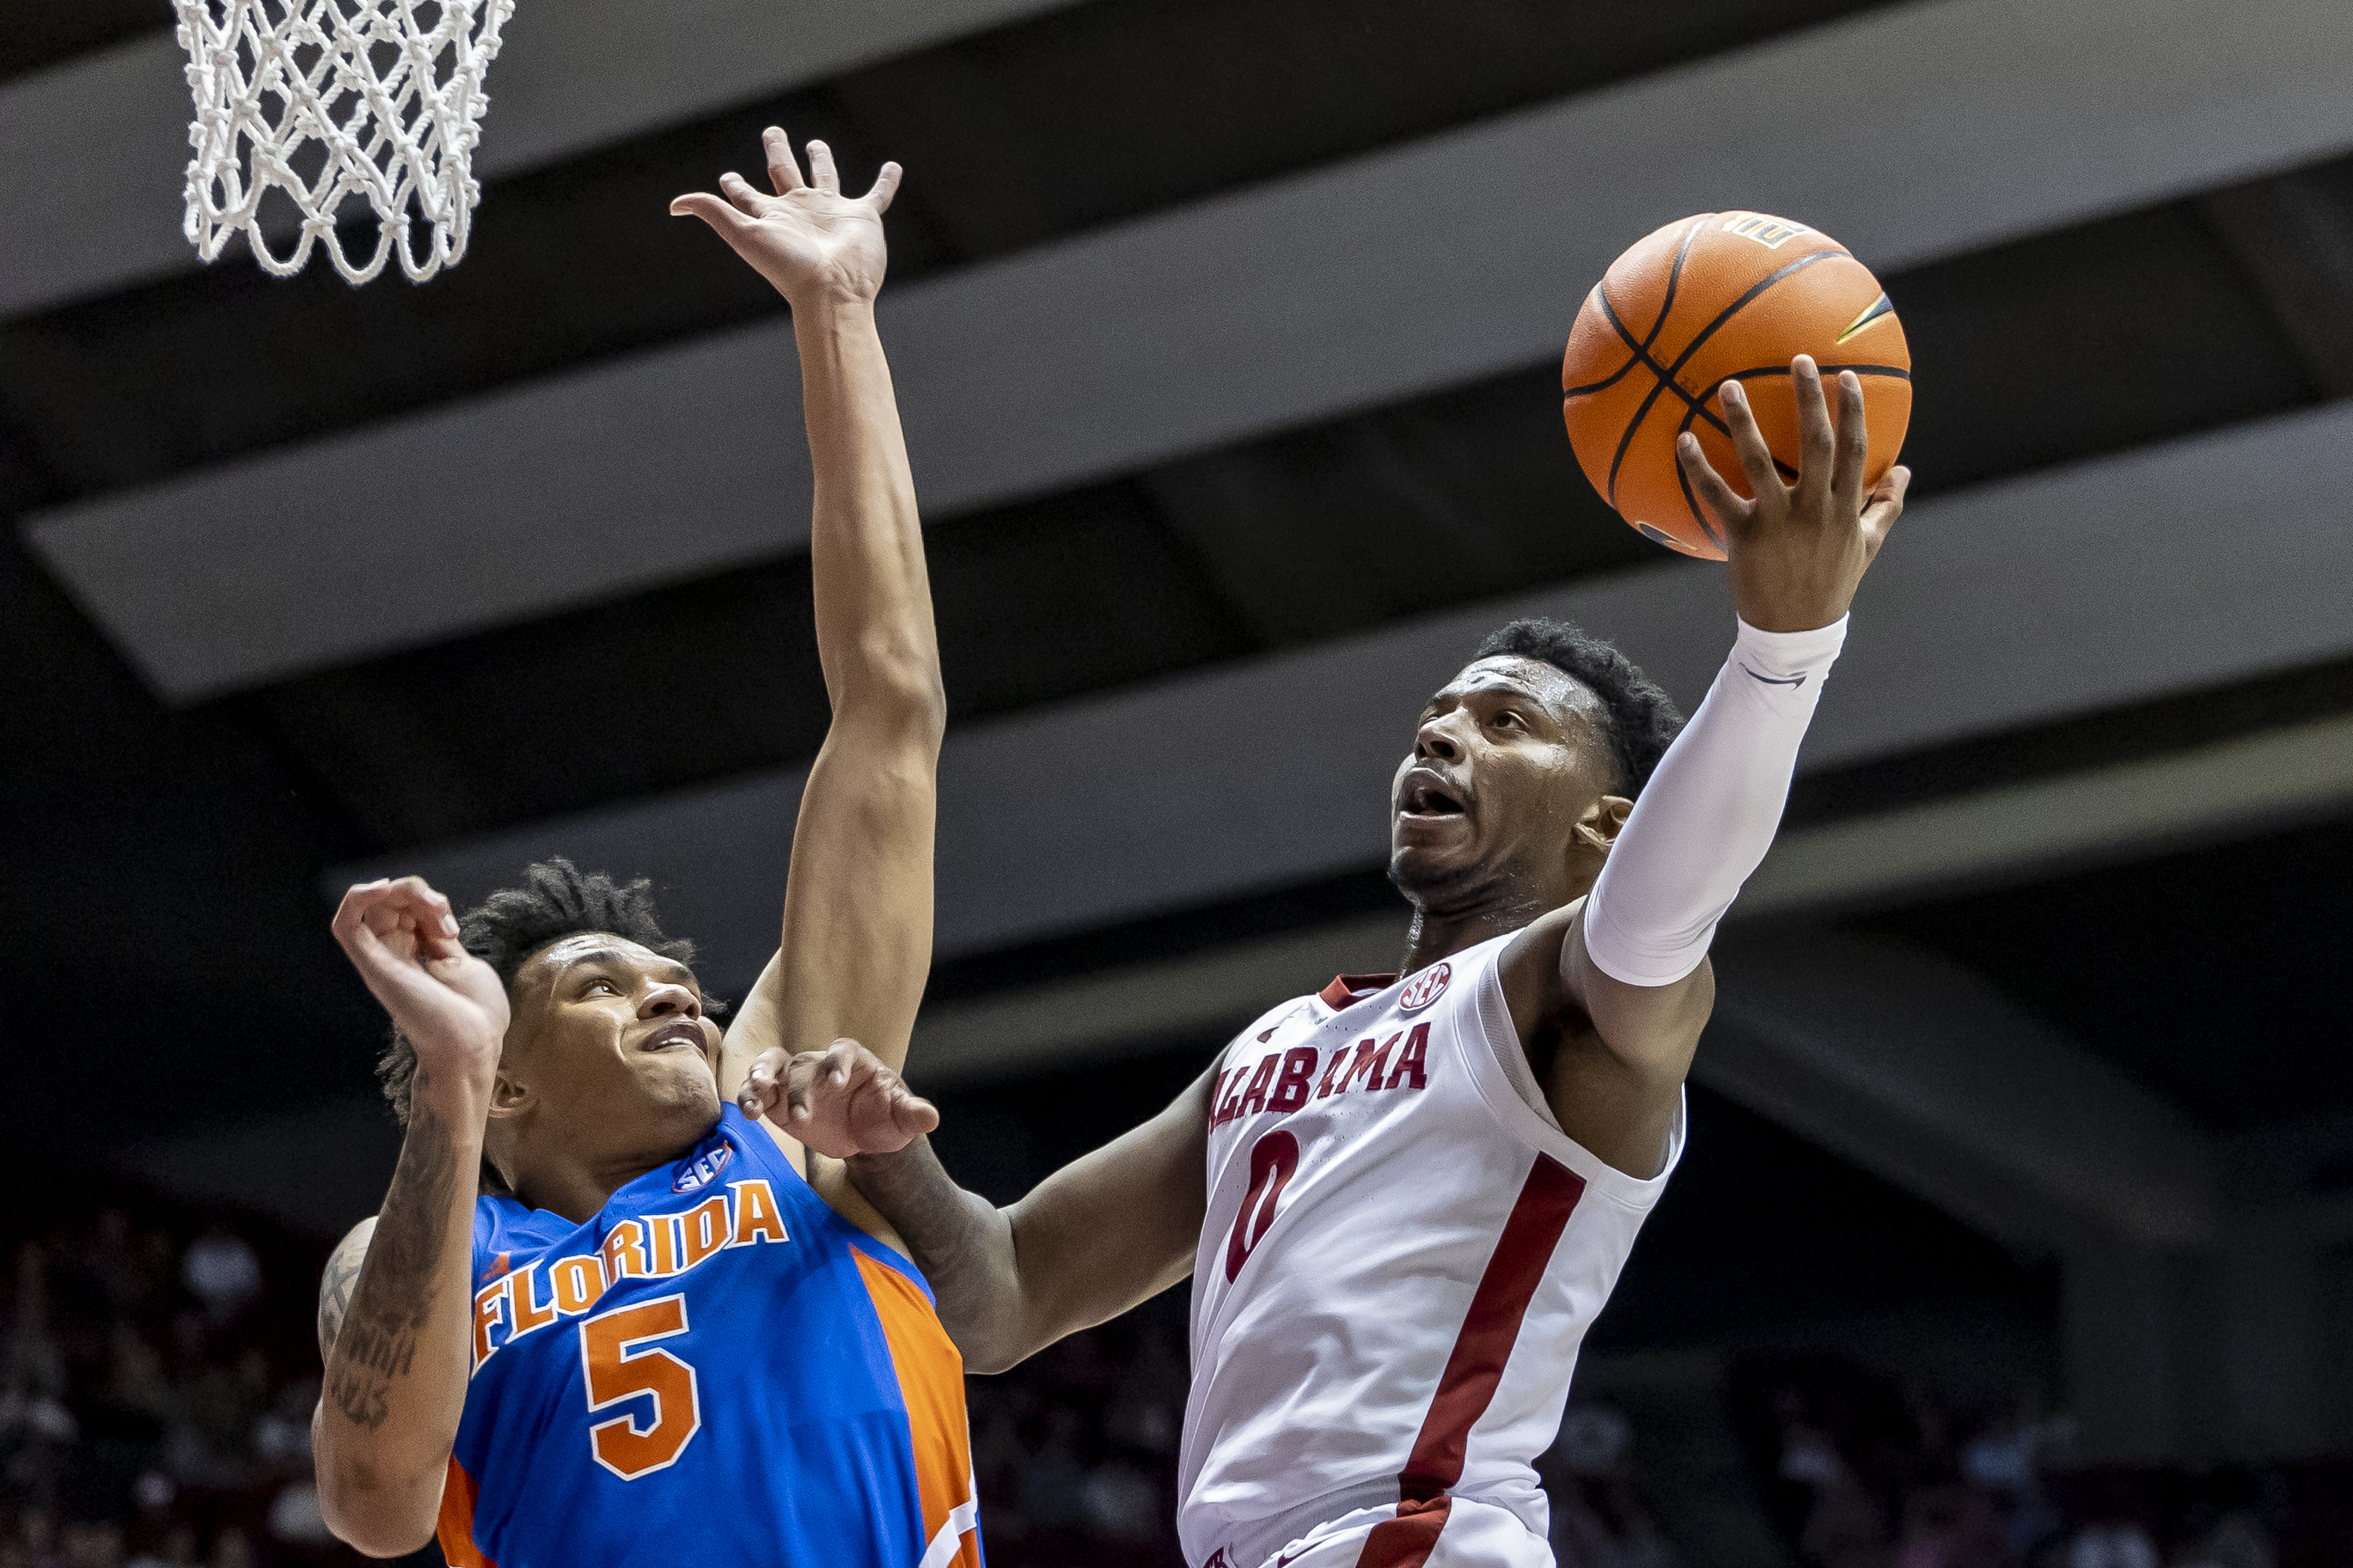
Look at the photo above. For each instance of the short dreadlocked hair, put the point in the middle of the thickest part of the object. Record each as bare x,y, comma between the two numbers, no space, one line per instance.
1639,720
557,901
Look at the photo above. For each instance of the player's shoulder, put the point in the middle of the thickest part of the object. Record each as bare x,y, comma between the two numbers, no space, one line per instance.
1540,940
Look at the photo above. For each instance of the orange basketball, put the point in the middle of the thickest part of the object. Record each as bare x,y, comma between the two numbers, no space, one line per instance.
1722,296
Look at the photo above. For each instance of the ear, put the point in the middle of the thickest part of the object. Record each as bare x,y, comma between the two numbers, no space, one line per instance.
1597,829
510,1096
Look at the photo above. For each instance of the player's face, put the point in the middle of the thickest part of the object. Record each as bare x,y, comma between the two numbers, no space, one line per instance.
611,1041
1507,759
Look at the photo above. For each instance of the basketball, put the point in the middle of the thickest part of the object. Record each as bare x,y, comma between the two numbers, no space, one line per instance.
1707,300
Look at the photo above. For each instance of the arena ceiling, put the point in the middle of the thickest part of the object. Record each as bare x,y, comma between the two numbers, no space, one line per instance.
1227,331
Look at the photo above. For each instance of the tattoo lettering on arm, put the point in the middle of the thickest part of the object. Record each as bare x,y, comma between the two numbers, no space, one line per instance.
392,1299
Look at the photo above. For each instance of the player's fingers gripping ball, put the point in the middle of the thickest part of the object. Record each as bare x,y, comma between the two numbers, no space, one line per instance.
1718,298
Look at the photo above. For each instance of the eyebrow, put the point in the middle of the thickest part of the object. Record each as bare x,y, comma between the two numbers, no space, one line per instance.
677,971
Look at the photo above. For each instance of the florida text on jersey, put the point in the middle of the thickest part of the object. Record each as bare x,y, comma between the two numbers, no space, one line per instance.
716,1368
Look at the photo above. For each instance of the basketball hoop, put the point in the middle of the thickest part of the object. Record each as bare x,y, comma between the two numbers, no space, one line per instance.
333,102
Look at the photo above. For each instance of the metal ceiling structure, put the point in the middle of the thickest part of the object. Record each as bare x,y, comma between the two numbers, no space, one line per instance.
1180,332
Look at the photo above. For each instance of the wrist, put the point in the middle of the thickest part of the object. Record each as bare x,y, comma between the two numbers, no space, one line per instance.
457,1092
1791,650
882,1168
830,306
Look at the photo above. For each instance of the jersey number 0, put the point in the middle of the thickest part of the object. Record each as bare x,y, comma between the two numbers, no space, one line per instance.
1273,1160
619,1367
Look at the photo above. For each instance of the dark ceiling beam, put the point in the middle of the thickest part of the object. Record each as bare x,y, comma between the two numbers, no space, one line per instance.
1193,328
2292,237
2065,593
90,190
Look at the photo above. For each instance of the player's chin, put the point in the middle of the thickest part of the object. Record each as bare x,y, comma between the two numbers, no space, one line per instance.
1427,868
680,1081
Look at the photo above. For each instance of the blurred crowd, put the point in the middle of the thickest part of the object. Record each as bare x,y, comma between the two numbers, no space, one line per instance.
155,1392
1860,1470
158,1372
1076,1451
1076,1448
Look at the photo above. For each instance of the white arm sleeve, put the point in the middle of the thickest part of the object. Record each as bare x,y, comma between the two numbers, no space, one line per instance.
1706,817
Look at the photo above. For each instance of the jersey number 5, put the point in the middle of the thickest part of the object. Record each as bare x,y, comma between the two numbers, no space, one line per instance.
1274,1157
619,1369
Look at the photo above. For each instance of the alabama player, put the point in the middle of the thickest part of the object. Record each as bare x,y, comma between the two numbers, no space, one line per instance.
603,1318
1420,1190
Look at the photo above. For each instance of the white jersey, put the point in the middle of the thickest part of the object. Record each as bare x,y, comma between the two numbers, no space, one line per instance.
1401,1254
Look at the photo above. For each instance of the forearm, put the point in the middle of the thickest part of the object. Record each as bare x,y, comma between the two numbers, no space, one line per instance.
396,1373
1709,813
963,1244
875,637
857,936
1110,1229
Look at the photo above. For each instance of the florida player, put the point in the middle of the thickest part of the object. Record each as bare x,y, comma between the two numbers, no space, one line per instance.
1420,1190
649,1311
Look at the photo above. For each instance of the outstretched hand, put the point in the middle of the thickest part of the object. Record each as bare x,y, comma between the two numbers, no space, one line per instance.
839,1102
1797,552
809,240
402,938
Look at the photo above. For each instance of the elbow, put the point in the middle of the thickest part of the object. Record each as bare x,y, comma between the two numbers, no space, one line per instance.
987,1346
921,714
914,710
374,1533
899,688
375,1520
987,1358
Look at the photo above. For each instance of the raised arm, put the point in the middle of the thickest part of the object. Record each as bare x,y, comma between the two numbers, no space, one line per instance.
1625,969
1106,1232
396,1307
857,937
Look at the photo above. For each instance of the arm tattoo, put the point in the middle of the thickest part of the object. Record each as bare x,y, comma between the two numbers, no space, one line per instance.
376,1342
336,1285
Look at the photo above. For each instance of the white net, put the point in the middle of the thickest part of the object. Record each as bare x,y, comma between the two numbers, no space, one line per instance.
336,103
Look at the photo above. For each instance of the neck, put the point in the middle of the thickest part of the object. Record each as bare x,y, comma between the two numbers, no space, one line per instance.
574,1191
578,1185
1443,928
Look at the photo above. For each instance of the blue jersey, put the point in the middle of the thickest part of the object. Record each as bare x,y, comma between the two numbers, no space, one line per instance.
716,1368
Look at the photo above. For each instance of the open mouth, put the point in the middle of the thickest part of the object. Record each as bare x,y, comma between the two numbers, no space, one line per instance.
675,1037
1429,800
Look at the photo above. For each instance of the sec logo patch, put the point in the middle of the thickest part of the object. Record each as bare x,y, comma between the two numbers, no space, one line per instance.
703,1171
1425,987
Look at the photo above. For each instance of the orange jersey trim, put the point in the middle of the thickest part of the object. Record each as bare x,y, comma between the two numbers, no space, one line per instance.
930,1381
456,1530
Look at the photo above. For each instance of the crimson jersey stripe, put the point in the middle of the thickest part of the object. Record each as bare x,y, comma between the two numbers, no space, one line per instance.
1407,1540
1468,1385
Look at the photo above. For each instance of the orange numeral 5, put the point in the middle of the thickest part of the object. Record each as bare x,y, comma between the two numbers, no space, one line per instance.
617,1369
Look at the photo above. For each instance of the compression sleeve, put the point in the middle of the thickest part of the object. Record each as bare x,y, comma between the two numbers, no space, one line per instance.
1707,815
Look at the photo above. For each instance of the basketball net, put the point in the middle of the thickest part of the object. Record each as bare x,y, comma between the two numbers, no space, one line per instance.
333,101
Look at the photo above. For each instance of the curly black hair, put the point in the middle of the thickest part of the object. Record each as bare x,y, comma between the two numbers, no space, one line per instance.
557,901
1639,720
